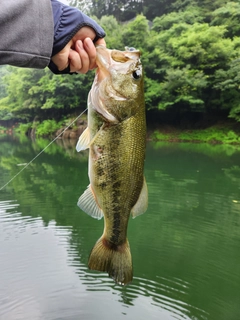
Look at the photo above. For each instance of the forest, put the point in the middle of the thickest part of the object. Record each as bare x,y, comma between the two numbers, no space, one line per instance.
190,53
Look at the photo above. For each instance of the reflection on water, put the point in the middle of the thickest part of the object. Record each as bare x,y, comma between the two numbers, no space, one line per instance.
185,248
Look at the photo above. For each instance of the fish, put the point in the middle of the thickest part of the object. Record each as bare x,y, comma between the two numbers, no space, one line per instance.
116,139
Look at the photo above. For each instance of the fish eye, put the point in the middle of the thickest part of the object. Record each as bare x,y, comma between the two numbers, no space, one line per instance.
137,74
131,49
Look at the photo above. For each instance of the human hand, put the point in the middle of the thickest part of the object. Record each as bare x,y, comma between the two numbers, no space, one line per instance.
79,55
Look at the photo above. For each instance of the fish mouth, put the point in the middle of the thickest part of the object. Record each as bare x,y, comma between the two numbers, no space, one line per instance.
108,60
114,61
103,61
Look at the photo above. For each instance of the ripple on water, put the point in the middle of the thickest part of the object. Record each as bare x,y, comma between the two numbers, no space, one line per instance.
163,298
144,293
13,223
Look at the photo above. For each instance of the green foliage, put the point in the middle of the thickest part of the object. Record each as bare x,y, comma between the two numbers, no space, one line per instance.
114,31
18,84
136,33
83,5
192,65
5,114
3,86
2,128
206,6
44,128
23,128
167,21
31,92
47,127
124,10
229,16
183,87
190,53
210,135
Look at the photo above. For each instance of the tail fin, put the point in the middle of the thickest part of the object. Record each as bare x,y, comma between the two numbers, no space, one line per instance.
116,260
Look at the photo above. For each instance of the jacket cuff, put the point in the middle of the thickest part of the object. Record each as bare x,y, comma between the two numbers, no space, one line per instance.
67,22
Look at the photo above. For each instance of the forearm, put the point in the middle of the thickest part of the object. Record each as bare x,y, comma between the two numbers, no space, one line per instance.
26,33
40,33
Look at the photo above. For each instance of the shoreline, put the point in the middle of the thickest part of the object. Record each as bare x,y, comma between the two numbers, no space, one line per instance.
216,134
223,133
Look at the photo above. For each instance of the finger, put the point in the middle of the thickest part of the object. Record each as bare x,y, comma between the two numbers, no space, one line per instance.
83,57
83,33
75,61
91,51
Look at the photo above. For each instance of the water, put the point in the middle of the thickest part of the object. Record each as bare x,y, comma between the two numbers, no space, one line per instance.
186,248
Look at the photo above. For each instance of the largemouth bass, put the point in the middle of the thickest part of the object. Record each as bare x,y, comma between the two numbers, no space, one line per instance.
116,138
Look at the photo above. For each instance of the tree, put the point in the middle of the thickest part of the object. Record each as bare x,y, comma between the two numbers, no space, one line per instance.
184,61
228,83
136,33
40,93
18,83
114,31
229,16
124,10
190,59
3,72
166,21
156,8
83,5
202,46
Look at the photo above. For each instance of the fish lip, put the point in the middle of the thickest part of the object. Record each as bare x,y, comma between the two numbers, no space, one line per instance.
104,62
103,59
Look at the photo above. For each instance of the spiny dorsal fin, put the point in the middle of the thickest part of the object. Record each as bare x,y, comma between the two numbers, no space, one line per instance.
142,203
83,141
87,202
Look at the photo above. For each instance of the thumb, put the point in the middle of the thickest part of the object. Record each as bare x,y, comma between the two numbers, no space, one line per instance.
61,58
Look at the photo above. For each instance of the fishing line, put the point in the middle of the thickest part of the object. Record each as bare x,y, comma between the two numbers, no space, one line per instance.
42,150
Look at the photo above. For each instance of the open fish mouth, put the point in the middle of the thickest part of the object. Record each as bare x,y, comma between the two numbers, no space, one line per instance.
114,61
107,60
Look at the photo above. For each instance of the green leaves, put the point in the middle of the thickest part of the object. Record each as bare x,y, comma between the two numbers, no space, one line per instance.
183,88
29,93
47,127
229,16
193,65
136,33
191,59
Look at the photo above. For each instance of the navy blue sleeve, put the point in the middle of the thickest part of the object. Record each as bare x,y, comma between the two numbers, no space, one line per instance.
67,22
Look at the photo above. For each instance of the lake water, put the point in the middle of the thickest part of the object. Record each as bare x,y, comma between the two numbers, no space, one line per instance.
185,248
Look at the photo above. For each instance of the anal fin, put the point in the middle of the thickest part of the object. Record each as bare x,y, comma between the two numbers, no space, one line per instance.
142,203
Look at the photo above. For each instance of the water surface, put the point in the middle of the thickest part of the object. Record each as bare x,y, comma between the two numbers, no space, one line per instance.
185,248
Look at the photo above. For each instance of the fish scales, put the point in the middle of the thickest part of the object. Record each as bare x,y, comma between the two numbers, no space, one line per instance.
116,138
120,169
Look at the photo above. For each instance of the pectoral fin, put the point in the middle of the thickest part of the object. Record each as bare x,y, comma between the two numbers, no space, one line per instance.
87,202
142,203
84,140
